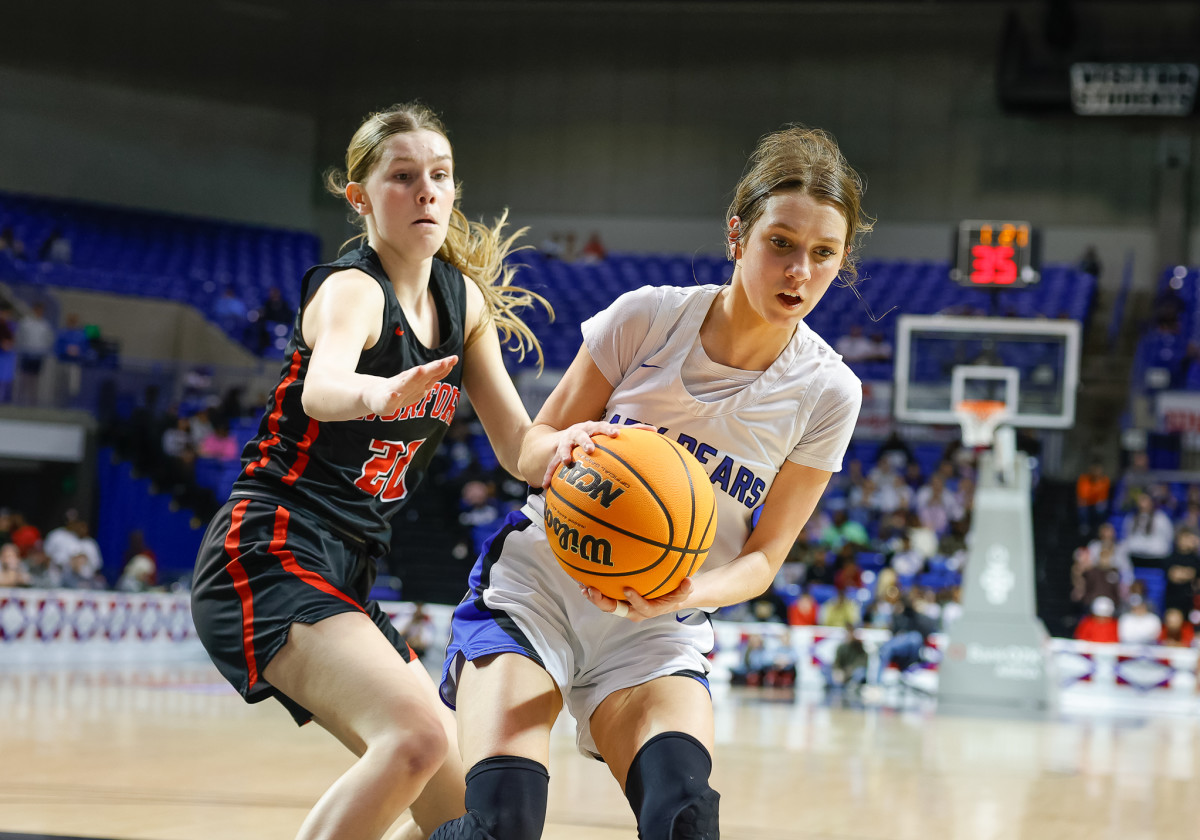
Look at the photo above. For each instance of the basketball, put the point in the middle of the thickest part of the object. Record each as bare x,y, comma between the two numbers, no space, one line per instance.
639,512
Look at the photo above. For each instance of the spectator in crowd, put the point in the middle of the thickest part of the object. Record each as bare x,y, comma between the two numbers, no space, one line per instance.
24,534
907,562
936,506
8,353
1092,491
1089,263
767,659
925,601
951,602
887,600
139,574
71,348
201,426
840,610
847,573
754,661
419,631
1095,579
231,313
892,528
803,612
1177,631
844,530
1106,540
1148,534
176,438
910,631
922,538
891,494
276,310
56,248
42,573
1139,626
896,451
819,570
1129,485
593,251
220,445
953,545
180,481
854,346
768,607
914,477
848,671
1099,625
6,525
11,245
1183,571
69,541
479,511
34,342
12,571
272,321
78,574
880,348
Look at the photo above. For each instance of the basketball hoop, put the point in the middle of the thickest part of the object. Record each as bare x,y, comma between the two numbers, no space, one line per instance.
979,419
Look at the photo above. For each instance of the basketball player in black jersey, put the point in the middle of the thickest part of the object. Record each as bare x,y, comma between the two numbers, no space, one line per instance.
385,338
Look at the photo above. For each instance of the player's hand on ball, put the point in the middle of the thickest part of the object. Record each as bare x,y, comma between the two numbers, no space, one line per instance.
386,396
637,608
581,435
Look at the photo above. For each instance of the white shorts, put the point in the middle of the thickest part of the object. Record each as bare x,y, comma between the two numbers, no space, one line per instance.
521,601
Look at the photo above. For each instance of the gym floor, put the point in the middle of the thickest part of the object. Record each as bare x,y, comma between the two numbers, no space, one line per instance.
166,751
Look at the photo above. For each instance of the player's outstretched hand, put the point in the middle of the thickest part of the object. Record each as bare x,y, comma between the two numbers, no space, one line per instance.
581,435
639,608
386,396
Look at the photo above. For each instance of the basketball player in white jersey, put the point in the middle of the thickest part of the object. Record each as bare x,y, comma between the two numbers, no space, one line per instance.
733,373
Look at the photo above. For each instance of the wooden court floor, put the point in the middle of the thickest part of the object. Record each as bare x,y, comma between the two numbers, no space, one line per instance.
168,752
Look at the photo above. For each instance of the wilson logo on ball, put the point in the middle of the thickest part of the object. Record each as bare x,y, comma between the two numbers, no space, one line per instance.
587,547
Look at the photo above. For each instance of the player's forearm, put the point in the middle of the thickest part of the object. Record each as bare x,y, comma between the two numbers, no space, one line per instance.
508,447
537,448
333,398
746,577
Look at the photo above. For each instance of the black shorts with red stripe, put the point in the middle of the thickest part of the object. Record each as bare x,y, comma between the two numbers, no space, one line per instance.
262,568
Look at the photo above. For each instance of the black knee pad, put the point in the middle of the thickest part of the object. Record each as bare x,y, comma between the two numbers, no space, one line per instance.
668,789
506,800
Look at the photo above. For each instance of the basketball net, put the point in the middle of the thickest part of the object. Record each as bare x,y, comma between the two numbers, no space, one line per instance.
981,421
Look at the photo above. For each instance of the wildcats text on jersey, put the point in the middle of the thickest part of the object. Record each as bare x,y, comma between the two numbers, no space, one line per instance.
741,484
441,403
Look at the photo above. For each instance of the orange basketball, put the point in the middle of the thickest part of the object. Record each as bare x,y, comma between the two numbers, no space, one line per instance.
639,512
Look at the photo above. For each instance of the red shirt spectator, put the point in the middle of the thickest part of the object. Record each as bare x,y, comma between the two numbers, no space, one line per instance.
24,535
1094,628
1177,631
1100,626
803,611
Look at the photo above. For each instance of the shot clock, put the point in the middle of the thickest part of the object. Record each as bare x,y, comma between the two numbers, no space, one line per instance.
995,255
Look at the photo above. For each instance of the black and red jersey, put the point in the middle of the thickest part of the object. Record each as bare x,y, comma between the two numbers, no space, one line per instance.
356,474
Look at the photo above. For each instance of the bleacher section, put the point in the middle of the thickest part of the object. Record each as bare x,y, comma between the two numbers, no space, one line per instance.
578,290
177,258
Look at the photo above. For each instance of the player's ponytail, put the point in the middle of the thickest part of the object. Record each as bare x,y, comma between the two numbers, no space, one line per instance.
474,248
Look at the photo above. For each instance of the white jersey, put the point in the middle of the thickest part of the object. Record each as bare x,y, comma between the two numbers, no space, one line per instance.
741,425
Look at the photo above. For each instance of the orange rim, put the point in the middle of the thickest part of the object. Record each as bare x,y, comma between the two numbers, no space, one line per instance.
982,409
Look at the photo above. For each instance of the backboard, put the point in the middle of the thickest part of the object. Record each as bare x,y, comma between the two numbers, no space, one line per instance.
1031,364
